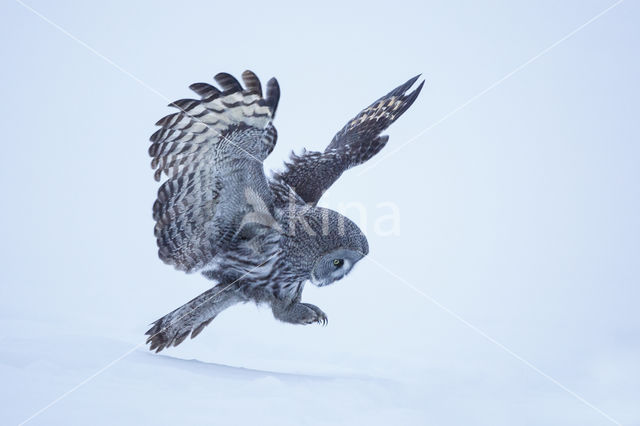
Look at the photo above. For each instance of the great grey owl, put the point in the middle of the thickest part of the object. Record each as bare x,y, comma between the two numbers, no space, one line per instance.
258,238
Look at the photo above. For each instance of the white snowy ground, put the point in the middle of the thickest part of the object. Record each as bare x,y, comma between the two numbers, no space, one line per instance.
417,366
517,198
43,362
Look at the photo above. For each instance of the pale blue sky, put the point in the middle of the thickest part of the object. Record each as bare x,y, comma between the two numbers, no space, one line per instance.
520,212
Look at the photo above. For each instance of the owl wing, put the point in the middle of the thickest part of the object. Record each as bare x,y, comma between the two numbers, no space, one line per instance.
312,173
211,152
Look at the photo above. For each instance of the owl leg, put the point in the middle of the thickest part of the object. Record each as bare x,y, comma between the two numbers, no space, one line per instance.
192,317
298,313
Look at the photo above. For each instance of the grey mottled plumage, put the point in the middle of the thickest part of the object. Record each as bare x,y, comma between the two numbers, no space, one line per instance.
259,239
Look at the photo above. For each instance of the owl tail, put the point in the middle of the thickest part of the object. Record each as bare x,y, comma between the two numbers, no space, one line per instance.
190,318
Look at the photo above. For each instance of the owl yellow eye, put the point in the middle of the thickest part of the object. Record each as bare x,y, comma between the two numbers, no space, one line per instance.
338,262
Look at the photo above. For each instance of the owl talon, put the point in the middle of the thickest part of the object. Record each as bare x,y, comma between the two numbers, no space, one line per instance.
320,317
322,320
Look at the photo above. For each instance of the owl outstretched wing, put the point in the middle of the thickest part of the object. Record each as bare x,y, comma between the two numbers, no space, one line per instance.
211,152
311,173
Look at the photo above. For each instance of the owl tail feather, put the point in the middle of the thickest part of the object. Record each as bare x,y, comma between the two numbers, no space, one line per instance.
190,318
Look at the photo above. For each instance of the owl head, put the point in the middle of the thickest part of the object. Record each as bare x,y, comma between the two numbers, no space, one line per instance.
325,245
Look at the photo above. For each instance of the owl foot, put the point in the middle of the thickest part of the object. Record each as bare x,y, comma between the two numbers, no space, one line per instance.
319,317
299,313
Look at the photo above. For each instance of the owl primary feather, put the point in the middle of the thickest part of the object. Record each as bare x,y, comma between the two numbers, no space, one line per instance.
258,238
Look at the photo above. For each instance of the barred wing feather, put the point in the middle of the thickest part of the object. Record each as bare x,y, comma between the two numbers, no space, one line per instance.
312,173
211,152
